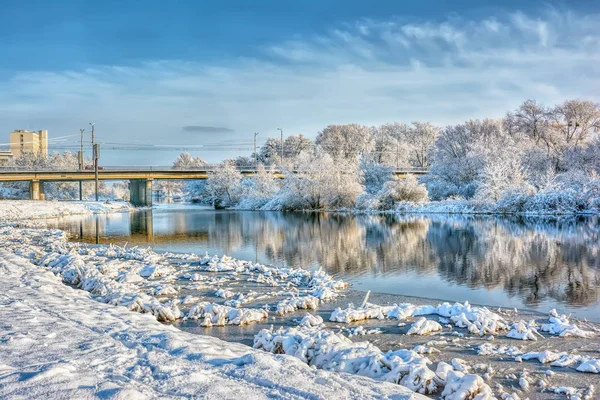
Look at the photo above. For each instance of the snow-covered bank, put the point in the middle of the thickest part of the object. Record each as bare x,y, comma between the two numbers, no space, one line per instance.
459,361
148,282
474,352
57,342
16,210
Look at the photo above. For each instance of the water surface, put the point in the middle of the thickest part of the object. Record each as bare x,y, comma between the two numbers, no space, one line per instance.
534,263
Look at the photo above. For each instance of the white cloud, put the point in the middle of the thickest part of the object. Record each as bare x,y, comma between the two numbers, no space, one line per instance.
368,72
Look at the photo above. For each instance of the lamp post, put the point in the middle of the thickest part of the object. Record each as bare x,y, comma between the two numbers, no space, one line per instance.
96,156
281,130
255,155
81,163
95,160
92,125
81,149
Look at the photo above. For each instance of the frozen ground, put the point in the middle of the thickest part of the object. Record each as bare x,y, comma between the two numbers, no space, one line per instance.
18,210
57,342
452,351
83,321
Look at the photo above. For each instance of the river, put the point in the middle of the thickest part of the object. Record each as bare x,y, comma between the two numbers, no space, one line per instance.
523,262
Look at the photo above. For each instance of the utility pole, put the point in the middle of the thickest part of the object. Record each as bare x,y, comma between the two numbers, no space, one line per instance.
281,130
81,163
92,124
255,155
81,149
96,156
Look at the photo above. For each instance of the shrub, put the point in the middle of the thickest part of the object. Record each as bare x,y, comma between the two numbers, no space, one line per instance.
408,189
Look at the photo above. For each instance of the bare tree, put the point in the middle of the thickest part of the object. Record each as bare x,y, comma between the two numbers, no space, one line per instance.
575,122
530,119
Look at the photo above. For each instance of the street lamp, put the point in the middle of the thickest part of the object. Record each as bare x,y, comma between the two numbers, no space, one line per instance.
92,125
81,149
255,155
81,163
95,155
281,130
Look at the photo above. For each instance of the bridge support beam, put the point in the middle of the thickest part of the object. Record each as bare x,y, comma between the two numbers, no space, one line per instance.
140,192
36,190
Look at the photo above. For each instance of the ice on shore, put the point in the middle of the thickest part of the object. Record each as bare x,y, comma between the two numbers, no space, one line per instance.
561,326
21,210
332,351
145,281
423,326
477,320
58,342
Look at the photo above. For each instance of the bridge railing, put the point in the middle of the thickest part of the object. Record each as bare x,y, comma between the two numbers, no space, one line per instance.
159,168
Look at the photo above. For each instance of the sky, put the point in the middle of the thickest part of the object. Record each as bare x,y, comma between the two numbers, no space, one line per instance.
211,73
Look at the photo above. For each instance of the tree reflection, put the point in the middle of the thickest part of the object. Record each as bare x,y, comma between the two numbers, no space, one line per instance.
532,258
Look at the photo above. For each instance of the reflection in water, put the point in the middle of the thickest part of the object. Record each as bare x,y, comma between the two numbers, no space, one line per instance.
517,261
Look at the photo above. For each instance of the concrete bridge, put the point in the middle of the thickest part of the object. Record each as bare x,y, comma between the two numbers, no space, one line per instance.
140,178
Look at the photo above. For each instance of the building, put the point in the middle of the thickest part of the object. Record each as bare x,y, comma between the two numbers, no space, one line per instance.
5,157
23,141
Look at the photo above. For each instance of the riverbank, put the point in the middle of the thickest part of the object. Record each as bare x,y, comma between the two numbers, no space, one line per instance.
200,293
57,342
19,210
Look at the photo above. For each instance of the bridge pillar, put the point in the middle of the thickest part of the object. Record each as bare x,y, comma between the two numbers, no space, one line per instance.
36,190
140,192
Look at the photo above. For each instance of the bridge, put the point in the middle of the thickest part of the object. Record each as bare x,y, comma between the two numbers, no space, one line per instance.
140,177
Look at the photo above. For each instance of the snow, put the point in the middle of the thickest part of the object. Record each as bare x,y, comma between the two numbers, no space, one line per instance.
592,366
560,325
150,284
324,349
478,320
423,327
293,304
487,349
14,210
147,282
460,386
98,350
523,331
221,315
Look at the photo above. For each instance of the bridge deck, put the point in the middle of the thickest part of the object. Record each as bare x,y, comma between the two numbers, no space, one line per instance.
117,173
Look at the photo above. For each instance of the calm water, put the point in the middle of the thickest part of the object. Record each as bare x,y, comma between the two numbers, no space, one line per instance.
535,263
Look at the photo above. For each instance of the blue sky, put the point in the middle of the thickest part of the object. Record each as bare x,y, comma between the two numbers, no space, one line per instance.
144,70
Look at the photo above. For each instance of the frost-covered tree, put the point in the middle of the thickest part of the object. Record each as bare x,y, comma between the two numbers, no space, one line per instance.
322,184
270,152
257,190
460,157
390,146
346,142
172,188
399,190
375,175
502,173
295,145
223,185
421,138
29,160
186,160
243,162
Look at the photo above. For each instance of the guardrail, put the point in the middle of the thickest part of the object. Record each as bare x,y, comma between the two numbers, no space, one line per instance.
155,168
